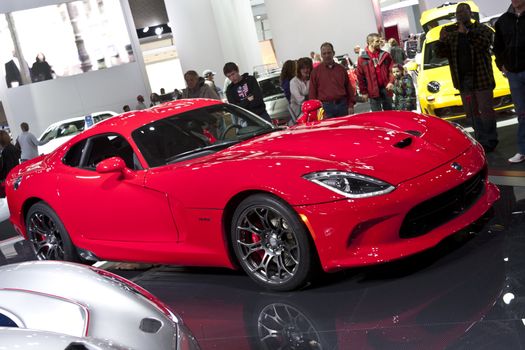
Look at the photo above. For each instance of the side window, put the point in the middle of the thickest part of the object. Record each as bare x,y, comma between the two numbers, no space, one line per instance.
74,155
101,117
107,146
5,321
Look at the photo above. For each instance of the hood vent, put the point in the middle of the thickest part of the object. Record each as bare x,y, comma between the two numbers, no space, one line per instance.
404,143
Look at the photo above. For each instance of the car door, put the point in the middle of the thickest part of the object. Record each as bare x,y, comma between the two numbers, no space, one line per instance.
111,206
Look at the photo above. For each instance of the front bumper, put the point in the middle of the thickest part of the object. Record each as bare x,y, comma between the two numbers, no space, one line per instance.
356,232
450,107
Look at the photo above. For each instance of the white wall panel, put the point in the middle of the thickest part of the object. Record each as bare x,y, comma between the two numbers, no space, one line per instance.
301,26
224,31
46,102
43,103
486,7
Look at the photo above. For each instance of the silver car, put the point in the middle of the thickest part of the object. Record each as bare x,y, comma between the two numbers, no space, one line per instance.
82,301
17,338
274,99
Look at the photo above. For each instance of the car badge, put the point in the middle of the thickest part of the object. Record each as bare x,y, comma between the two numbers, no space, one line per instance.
456,166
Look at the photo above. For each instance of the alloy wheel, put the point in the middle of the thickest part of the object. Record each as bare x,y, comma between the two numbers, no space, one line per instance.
281,326
268,245
45,237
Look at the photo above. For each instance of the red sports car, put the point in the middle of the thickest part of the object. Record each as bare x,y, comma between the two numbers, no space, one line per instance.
200,182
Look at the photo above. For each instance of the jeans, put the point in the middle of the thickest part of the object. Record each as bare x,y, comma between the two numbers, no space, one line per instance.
335,109
517,90
381,103
478,107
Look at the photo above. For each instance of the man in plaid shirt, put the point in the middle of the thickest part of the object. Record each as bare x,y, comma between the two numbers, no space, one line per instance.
466,44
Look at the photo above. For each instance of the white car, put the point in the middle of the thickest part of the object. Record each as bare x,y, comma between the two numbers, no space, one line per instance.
58,133
4,209
274,99
87,302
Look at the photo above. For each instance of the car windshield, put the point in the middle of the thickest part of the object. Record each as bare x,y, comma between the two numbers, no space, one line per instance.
64,129
431,60
197,133
271,86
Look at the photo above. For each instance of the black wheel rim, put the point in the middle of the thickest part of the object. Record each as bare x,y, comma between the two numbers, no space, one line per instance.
267,245
282,326
45,237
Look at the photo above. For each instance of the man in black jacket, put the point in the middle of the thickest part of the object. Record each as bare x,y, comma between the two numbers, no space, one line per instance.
509,48
244,91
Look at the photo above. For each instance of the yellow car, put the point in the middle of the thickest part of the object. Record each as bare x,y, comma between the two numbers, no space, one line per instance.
444,14
436,92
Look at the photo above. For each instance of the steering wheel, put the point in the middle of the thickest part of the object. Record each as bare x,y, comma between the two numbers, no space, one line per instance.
228,128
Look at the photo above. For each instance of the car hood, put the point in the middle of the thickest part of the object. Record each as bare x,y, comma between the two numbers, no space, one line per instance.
397,148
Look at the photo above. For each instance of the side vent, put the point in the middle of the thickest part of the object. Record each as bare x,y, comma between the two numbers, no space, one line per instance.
404,143
150,325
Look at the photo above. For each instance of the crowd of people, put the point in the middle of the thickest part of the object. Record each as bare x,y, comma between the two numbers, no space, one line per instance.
25,148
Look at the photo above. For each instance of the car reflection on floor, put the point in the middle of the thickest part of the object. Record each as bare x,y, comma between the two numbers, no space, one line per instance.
465,293
430,301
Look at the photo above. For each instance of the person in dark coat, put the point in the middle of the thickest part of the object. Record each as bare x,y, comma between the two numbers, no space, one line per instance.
466,44
244,91
12,73
41,70
509,48
9,157
398,54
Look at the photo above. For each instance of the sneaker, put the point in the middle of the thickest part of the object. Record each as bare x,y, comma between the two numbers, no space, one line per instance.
518,158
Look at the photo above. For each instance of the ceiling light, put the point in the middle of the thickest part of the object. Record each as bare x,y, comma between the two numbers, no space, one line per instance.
145,30
159,30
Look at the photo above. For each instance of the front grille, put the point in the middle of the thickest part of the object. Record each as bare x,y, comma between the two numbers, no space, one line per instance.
460,110
438,210
449,111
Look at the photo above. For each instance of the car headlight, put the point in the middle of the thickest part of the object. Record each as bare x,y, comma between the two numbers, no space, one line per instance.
465,132
350,185
433,87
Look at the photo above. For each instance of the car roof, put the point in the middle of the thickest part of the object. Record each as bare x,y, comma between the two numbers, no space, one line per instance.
74,119
444,11
129,121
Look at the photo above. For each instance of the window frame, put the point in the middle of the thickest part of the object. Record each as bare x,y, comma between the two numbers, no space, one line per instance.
86,152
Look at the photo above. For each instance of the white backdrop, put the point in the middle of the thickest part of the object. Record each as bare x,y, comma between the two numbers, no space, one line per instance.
301,26
43,103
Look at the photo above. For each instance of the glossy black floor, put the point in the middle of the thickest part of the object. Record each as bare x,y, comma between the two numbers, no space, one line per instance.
467,293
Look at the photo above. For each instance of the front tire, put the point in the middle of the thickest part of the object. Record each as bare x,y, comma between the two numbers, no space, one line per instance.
271,243
48,236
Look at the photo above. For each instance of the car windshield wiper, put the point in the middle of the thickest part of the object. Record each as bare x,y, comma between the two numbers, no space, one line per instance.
201,151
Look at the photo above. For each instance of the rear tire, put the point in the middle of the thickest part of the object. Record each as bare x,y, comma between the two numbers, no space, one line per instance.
48,236
271,243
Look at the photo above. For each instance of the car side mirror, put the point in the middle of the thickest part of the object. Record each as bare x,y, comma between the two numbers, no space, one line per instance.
115,165
312,110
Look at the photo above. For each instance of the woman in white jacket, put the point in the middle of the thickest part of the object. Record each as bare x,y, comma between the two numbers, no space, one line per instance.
300,85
